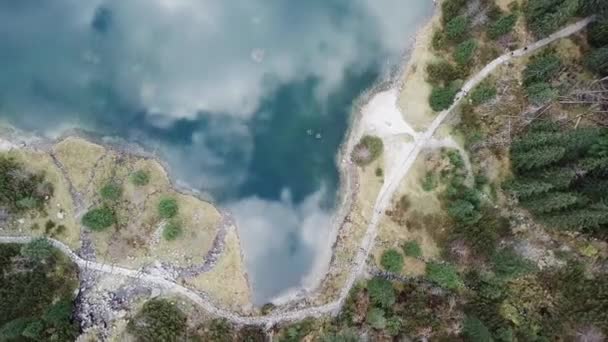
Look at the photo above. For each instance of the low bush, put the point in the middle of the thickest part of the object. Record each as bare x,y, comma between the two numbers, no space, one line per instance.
547,16
392,260
541,93
438,41
367,150
167,208
37,250
442,97
465,51
597,61
450,9
502,26
172,230
457,29
597,34
429,182
483,93
99,219
444,275
381,292
412,249
21,189
158,320
476,331
509,265
376,319
140,178
441,72
111,191
542,68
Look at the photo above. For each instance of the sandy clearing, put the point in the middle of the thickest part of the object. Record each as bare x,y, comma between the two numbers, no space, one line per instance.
382,117
6,145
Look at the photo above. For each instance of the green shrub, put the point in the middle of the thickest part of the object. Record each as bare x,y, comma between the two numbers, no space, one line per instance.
552,201
594,7
451,9
429,182
442,97
28,203
48,226
538,158
33,330
381,292
509,265
13,330
465,51
394,326
99,219
376,319
441,72
392,260
444,275
218,329
502,26
59,313
457,29
597,34
542,68
476,331
172,230
541,93
412,249
597,61
379,172
140,178
167,208
483,93
547,16
38,249
158,320
464,212
526,187
367,150
438,41
111,191
35,283
21,189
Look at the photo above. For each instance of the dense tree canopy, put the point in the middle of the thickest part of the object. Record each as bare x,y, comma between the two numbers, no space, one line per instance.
37,292
558,173
20,188
546,16
158,320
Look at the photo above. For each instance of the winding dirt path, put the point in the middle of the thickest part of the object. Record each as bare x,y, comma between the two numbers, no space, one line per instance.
404,163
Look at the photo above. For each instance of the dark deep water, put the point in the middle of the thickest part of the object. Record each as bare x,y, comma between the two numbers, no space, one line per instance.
247,100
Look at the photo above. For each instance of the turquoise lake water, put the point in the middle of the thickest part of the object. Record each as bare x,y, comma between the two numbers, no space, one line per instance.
248,101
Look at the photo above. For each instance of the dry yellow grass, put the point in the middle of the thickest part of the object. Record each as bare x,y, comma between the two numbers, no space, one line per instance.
199,223
504,4
78,156
137,239
227,282
414,97
394,235
351,233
